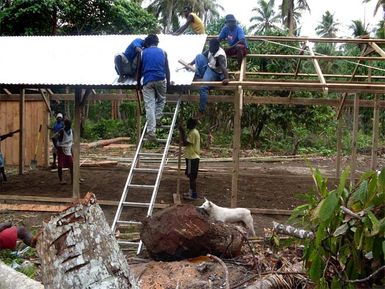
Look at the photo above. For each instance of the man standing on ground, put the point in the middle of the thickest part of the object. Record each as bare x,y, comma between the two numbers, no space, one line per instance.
211,65
64,150
193,21
191,152
126,62
58,126
235,37
3,177
156,77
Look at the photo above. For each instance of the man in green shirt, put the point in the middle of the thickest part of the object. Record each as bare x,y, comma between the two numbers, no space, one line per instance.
193,146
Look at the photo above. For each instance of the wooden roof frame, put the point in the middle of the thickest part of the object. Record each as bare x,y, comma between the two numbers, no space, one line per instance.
372,84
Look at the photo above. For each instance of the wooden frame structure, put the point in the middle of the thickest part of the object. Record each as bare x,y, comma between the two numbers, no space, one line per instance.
269,81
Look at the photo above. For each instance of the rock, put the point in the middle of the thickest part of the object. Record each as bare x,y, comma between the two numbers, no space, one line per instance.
182,231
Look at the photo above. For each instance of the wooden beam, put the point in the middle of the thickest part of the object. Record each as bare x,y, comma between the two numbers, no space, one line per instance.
63,200
339,147
378,49
236,147
375,133
22,132
311,39
32,207
42,92
354,138
7,91
263,73
76,144
317,69
315,57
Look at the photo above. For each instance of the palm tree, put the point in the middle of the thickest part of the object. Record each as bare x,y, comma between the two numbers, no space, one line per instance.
328,27
288,9
167,11
359,29
380,3
265,18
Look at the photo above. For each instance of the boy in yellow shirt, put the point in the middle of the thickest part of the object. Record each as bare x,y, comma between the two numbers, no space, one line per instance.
193,146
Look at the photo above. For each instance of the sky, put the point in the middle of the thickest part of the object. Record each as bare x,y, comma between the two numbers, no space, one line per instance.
344,12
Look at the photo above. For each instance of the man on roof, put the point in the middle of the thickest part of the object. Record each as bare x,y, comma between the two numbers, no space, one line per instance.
126,62
210,65
235,37
193,21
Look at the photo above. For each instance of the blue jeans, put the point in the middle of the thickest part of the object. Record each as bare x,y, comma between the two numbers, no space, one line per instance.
154,97
207,74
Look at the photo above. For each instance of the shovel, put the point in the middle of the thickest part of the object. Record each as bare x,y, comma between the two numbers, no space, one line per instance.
34,161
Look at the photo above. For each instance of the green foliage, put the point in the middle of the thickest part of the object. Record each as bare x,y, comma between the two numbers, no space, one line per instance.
9,258
345,247
108,128
45,17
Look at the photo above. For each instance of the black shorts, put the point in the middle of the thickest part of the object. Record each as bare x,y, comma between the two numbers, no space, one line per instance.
192,167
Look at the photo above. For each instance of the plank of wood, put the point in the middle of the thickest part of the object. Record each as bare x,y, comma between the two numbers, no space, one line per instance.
270,211
32,207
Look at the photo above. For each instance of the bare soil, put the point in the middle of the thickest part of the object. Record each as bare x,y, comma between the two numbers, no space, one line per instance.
273,184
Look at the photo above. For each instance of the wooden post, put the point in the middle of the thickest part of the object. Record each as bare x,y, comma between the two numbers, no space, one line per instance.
376,120
236,146
339,146
76,145
354,137
22,131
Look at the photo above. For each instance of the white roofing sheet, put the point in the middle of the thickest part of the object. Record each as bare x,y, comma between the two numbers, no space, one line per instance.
84,60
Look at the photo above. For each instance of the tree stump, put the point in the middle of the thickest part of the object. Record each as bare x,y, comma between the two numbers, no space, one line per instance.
78,250
183,231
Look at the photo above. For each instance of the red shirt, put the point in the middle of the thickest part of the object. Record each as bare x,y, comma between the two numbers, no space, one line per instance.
8,238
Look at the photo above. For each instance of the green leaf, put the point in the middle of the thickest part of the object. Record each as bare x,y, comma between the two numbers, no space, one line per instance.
344,177
320,183
320,235
341,230
336,283
383,249
315,271
375,224
328,207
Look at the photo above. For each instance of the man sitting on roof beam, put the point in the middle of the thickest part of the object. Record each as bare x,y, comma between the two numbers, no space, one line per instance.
210,65
235,37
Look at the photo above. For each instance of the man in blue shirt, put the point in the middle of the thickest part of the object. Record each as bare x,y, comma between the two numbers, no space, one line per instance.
156,77
126,62
235,38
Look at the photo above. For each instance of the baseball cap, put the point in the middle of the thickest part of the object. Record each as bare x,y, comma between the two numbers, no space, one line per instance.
230,17
59,115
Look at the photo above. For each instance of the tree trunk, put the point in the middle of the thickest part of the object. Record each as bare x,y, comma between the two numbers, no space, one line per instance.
78,250
182,231
12,279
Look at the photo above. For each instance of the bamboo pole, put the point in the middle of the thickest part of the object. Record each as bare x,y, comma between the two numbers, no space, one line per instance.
22,132
263,73
376,120
354,137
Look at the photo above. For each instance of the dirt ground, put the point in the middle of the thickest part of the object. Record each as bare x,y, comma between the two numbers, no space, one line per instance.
267,182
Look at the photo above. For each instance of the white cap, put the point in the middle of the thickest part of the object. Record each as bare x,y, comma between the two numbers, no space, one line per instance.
59,115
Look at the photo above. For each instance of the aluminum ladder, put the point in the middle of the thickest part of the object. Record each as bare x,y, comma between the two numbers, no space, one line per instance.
157,169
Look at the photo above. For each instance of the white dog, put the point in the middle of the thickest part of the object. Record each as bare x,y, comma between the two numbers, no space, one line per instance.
229,215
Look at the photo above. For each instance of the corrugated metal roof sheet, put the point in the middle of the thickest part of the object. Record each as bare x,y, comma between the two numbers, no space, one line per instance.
83,60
